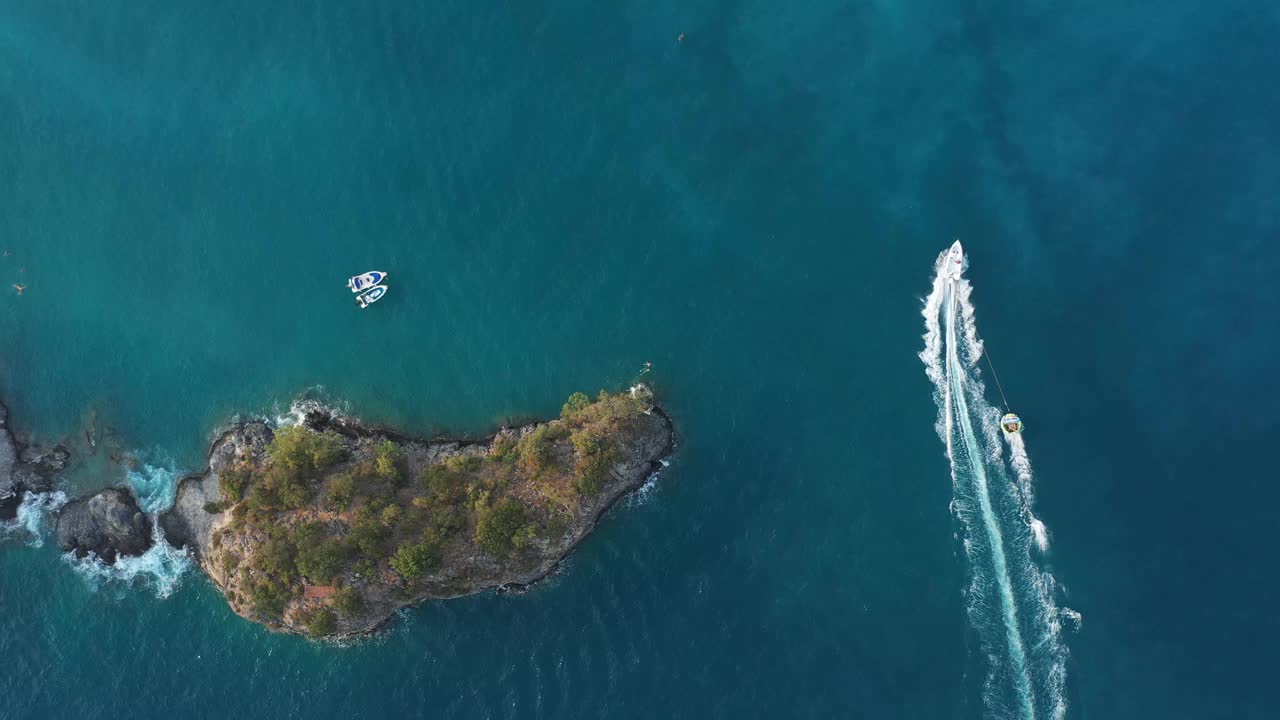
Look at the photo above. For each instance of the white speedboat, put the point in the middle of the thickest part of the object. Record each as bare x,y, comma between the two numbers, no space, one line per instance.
360,283
371,296
954,262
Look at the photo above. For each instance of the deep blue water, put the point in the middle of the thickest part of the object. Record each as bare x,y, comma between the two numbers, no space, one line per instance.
563,191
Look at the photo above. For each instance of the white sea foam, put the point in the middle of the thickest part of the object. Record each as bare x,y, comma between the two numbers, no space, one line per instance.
1041,534
1022,469
32,513
154,482
160,568
644,493
1020,462
308,403
1010,598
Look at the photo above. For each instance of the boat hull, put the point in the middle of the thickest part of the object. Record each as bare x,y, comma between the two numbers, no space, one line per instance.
366,281
371,296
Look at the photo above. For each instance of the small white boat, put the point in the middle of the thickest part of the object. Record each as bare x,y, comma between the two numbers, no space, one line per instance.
371,296
955,262
360,283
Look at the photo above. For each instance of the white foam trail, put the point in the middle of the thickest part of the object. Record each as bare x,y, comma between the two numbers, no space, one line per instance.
932,353
1022,468
995,537
1010,598
33,510
160,568
1020,462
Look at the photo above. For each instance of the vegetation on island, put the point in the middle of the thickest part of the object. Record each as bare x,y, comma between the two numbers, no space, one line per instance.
320,509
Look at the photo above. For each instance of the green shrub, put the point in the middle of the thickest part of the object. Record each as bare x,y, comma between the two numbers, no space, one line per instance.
276,556
412,560
348,601
536,449
589,439
497,525
321,621
233,481
269,598
366,537
504,448
442,483
299,451
442,523
342,489
389,461
293,495
524,536
577,402
213,508
320,560
591,471
464,463
230,561
279,486
389,516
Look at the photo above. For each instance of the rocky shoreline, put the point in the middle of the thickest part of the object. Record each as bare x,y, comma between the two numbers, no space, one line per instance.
25,468
386,521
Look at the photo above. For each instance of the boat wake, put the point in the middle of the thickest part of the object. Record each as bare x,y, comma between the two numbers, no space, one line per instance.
1010,596
1022,468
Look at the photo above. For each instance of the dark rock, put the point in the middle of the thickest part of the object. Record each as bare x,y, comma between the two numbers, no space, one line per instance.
48,461
8,458
187,524
9,506
177,531
39,469
108,524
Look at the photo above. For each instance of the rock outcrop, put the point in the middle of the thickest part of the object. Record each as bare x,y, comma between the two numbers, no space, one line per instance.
108,524
8,458
187,523
24,469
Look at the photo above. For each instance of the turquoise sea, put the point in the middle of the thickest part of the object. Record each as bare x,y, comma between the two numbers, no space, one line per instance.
750,195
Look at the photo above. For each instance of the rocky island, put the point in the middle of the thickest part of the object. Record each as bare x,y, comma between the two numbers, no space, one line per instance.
328,527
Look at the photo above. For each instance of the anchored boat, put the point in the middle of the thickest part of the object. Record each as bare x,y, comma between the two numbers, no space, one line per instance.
360,283
371,296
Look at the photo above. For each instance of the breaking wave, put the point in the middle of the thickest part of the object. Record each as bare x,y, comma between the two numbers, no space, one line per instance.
159,569
313,400
154,482
644,493
30,524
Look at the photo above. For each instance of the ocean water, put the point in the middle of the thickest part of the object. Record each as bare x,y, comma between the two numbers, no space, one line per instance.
563,191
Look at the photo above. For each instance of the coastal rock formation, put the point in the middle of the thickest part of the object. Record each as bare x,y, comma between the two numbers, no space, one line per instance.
329,527
108,524
187,523
24,469
8,458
